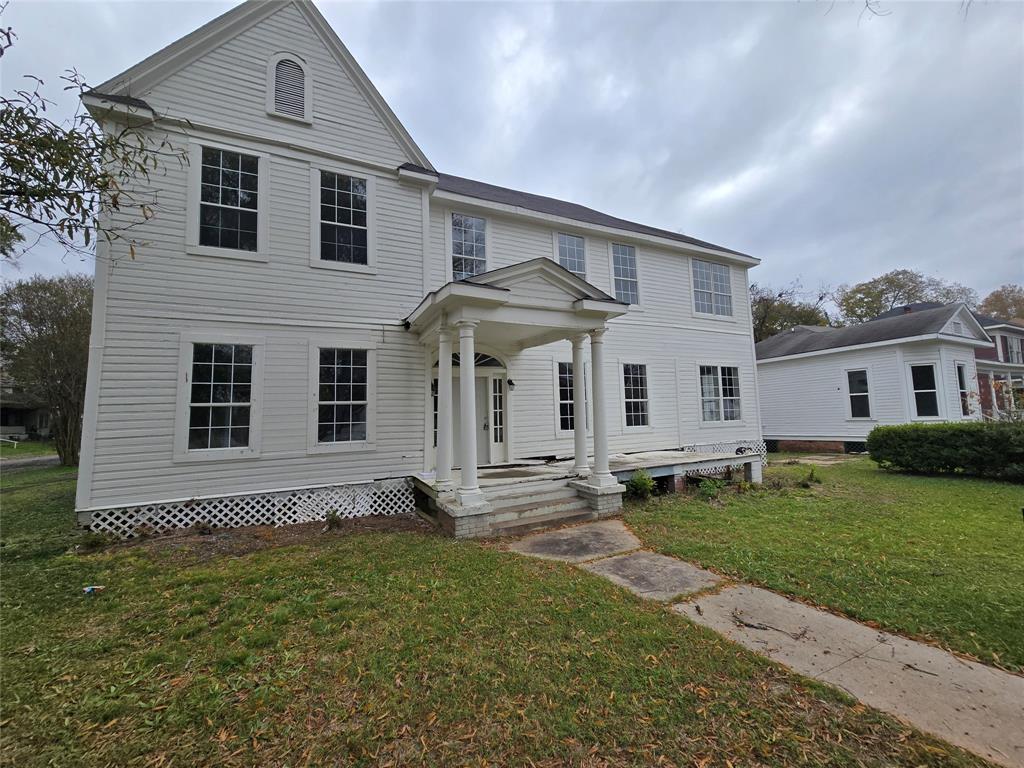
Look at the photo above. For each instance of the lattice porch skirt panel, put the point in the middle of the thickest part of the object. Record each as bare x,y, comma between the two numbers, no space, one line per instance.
383,497
731,446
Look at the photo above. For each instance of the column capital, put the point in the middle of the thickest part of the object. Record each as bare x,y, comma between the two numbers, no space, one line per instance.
464,324
578,339
597,335
444,333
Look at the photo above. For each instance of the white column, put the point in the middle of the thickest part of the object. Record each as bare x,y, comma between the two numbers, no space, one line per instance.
579,406
443,469
468,493
600,476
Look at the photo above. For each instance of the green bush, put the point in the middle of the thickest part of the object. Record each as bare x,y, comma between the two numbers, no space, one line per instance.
710,488
985,449
640,484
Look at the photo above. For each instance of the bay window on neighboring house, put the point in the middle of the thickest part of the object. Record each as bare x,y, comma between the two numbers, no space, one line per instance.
712,289
857,390
925,389
634,395
468,246
962,388
720,393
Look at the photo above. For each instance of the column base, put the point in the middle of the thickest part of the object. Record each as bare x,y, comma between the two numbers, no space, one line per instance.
581,471
470,497
602,480
605,500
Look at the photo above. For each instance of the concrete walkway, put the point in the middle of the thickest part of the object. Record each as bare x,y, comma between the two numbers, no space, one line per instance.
971,705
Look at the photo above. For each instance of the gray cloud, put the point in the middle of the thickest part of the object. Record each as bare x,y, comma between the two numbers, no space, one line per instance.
831,145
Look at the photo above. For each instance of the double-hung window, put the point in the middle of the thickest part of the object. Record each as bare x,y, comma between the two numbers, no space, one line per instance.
926,393
965,393
572,254
566,398
469,246
634,389
343,223
228,200
220,396
857,389
342,395
624,274
720,393
712,292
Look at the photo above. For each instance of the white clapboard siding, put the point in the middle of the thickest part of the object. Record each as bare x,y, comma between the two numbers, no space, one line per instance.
806,398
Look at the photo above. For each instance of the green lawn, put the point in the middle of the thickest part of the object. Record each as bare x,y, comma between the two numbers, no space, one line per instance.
375,648
938,558
26,449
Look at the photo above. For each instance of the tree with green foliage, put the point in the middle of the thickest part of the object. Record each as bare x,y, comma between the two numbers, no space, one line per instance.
44,342
1006,302
64,179
867,300
774,310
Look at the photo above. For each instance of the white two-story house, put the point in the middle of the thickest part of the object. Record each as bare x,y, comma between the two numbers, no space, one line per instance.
318,317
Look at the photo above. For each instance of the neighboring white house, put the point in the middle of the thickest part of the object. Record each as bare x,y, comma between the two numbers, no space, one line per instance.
283,339
831,386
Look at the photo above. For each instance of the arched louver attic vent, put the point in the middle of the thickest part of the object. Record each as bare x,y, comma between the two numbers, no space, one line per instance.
288,90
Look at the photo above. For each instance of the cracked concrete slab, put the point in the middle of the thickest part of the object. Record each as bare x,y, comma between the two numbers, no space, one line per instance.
653,576
579,543
971,705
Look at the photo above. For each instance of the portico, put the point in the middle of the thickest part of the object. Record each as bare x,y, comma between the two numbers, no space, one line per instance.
504,312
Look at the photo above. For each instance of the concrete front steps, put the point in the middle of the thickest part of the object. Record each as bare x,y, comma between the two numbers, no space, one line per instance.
517,508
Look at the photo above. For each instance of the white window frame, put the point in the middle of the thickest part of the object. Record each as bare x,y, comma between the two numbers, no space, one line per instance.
964,393
195,170
1014,344
721,422
846,391
693,291
313,446
611,273
557,252
307,74
940,400
957,328
370,268
559,432
448,241
181,452
649,426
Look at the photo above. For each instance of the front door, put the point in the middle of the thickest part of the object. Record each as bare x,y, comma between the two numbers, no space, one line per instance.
483,422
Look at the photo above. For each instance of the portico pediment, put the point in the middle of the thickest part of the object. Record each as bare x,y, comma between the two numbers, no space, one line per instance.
541,279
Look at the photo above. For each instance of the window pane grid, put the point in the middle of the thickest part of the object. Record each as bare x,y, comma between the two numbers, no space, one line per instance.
343,228
571,254
627,286
342,395
566,395
498,409
634,380
220,396
720,393
469,246
712,291
228,199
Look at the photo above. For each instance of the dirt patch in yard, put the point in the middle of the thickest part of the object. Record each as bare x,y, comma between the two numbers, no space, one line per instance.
193,545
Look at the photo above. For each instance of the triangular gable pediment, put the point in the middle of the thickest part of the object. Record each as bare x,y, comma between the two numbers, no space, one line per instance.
971,327
543,279
148,74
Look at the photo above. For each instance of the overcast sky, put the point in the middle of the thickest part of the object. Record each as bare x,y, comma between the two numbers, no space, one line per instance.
831,144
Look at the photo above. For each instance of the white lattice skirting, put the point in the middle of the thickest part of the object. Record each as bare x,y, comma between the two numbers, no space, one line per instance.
383,497
732,446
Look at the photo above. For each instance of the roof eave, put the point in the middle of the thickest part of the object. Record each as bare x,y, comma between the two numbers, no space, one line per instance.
872,344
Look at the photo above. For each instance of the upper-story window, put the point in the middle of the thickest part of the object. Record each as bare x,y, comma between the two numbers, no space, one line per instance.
712,292
1014,347
572,254
288,86
228,200
469,246
624,274
343,219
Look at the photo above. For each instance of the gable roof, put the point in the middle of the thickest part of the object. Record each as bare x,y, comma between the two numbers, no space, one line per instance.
168,60
498,278
457,185
985,321
802,339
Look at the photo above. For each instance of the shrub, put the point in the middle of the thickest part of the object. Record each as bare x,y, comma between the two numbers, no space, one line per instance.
640,484
710,488
811,479
333,521
985,449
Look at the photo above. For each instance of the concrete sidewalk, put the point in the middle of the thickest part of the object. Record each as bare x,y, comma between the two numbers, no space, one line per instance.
974,706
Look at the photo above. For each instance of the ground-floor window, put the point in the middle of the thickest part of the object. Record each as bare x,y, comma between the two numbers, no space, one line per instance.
965,395
342,399
926,393
634,385
220,396
566,393
860,399
720,393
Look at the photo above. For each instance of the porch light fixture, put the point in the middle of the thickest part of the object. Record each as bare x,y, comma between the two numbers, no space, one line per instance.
511,384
